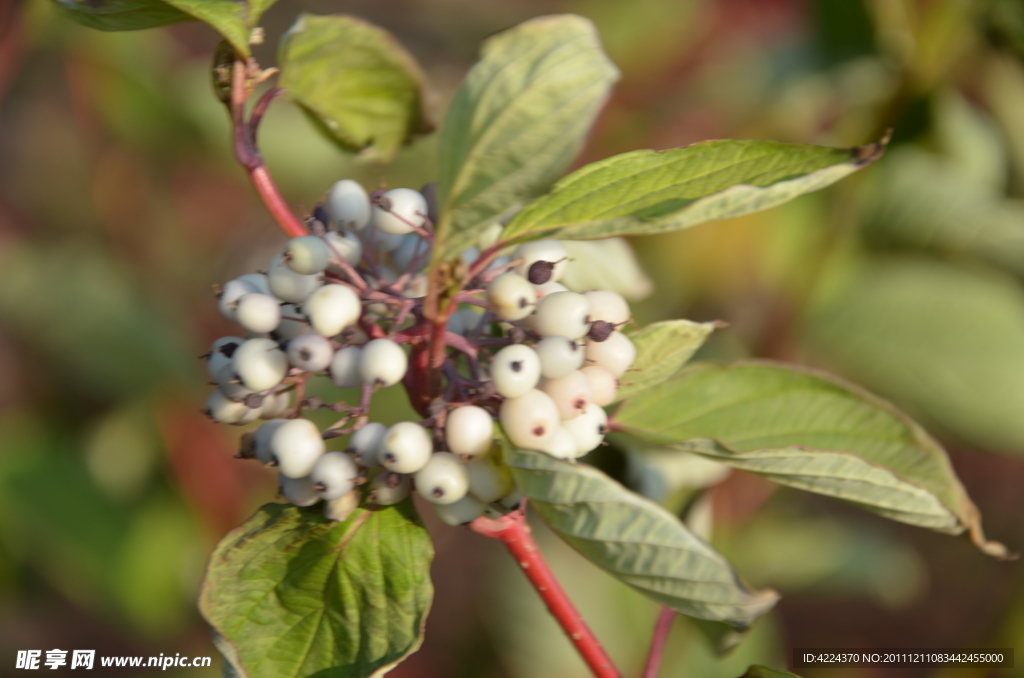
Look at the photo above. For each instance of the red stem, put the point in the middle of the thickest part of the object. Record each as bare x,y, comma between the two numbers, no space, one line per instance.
250,159
661,629
515,535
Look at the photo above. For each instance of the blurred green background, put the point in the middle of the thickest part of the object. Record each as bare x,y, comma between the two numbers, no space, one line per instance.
120,207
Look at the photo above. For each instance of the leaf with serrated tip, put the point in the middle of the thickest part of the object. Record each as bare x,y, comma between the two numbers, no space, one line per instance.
635,540
662,349
646,191
517,123
810,430
290,593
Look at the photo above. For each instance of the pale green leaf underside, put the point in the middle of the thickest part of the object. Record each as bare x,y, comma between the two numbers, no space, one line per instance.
356,81
234,19
635,540
648,191
661,351
517,122
944,341
293,594
809,430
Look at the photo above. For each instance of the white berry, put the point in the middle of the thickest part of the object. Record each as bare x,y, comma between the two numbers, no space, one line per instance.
588,429
603,384
310,352
563,314
399,211
515,370
220,354
559,356
443,480
607,306
383,362
489,480
549,288
366,442
511,296
334,475
469,431
296,446
258,313
462,512
349,205
571,393
288,285
233,290
332,308
529,420
389,488
406,448
412,254
306,254
292,323
616,353
343,246
223,410
299,491
230,385
276,405
257,280
562,445
260,364
345,367
552,255
261,440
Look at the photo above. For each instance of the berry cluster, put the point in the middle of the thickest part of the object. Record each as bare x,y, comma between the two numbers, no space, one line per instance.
345,301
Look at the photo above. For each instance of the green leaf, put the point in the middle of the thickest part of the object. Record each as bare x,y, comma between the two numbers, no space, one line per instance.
357,83
662,349
290,593
765,672
635,540
943,341
928,202
234,19
809,430
517,122
656,191
121,15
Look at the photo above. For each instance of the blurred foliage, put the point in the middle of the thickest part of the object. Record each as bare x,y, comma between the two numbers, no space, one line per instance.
120,207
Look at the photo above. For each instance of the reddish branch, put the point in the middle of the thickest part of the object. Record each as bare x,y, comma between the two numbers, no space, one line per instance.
244,138
661,629
515,534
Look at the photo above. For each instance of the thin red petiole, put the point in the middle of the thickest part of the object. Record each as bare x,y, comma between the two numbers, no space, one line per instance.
515,535
661,629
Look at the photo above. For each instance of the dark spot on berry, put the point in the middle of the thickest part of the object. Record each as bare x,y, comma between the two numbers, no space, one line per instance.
539,430
305,354
437,492
320,214
254,400
540,272
229,349
320,487
516,365
573,346
390,458
392,480
602,429
600,330
579,403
